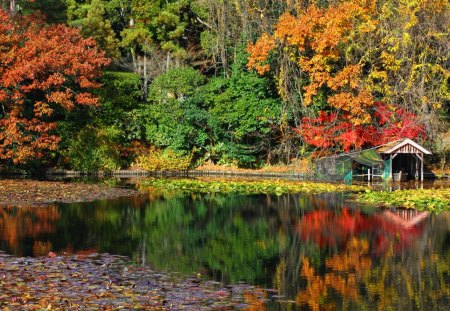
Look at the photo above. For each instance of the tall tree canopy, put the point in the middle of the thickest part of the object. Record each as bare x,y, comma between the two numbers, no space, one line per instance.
44,70
343,72
334,75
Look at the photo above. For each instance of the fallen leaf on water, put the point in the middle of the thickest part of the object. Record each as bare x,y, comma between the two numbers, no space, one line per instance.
51,255
107,282
17,192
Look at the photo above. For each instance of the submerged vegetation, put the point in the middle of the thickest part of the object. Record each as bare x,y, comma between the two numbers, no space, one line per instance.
433,200
277,187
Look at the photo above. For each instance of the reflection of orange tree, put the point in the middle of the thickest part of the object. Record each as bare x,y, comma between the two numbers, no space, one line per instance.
345,271
417,284
355,278
327,227
17,223
255,300
388,284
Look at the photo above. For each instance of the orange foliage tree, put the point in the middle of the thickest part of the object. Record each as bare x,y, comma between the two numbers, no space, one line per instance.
314,40
340,111
44,71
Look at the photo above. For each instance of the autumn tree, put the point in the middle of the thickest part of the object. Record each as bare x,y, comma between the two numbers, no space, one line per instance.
330,131
336,100
54,10
313,41
44,71
410,64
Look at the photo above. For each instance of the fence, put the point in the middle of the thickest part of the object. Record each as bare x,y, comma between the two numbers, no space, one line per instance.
182,173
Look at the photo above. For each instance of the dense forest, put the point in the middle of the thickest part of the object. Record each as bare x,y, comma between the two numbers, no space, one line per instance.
168,84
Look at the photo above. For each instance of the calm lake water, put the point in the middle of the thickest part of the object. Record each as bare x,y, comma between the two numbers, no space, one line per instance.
310,252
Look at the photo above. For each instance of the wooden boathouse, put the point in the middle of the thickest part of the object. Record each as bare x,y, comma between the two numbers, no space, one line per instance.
399,160
405,158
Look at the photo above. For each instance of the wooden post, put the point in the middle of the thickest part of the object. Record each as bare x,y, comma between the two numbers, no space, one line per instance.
390,167
421,166
368,174
417,168
420,157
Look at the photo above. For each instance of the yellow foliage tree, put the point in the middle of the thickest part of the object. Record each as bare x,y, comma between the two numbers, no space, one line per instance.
314,40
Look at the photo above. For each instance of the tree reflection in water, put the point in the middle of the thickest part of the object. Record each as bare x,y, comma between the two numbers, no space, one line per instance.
351,260
18,223
318,251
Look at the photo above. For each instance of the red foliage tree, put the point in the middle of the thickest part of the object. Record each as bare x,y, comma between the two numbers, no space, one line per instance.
42,69
333,132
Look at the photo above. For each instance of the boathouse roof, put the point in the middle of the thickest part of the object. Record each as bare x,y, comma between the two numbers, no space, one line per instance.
404,145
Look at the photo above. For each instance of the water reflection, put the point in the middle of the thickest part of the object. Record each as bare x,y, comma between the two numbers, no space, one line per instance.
393,259
317,252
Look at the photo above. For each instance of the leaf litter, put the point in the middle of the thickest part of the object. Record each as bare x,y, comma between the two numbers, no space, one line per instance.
34,192
109,282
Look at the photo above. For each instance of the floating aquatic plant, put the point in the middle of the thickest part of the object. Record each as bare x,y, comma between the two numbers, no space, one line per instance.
277,187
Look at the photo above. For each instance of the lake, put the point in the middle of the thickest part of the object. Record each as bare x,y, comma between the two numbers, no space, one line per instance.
303,251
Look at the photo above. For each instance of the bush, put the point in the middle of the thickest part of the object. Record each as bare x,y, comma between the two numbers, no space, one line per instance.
160,160
94,149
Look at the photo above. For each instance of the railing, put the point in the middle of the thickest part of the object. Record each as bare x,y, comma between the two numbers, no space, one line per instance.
180,173
370,176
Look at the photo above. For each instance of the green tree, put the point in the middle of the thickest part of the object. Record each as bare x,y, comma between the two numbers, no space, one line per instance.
120,104
95,148
172,119
91,18
117,122
158,37
244,114
53,10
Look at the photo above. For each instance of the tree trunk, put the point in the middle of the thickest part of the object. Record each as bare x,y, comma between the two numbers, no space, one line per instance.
12,7
168,61
145,75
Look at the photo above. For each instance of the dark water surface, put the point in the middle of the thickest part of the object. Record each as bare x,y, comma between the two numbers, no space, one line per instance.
311,252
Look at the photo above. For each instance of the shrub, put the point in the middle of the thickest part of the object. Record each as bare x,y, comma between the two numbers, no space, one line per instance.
94,149
160,160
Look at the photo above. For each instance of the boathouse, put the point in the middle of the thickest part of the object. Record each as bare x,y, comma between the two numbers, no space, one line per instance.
405,158
399,160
